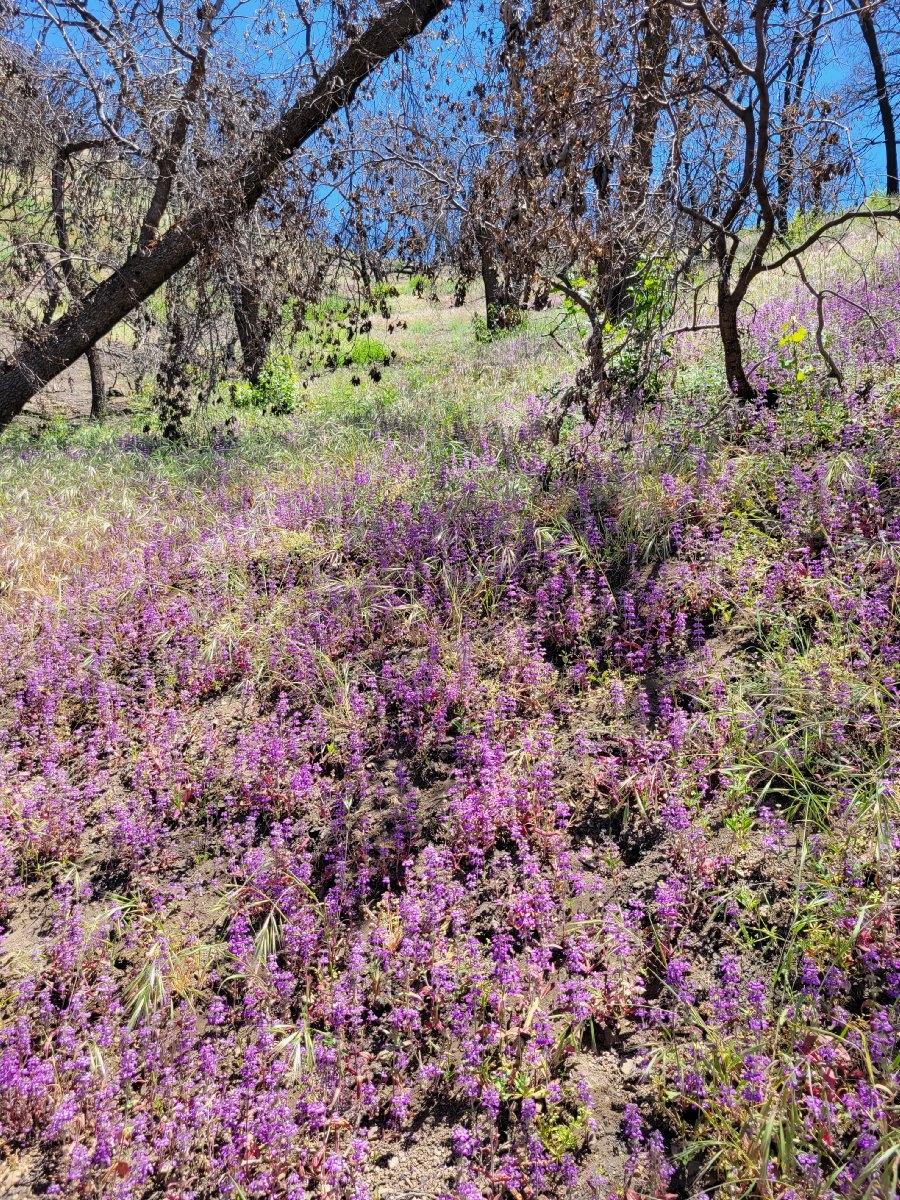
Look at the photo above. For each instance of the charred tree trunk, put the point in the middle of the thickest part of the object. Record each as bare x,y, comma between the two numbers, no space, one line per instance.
879,77
53,348
794,86
98,384
67,266
167,162
494,299
729,332
502,302
254,332
377,266
364,265
653,54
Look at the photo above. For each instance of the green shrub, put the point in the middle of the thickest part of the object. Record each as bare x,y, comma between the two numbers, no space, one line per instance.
383,291
483,335
275,391
367,350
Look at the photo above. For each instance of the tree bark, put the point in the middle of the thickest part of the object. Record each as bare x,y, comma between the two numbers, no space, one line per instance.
253,333
53,348
729,332
490,277
879,76
653,54
73,282
501,302
98,384
790,111
167,163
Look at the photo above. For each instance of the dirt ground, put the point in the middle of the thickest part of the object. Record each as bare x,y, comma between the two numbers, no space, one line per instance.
69,395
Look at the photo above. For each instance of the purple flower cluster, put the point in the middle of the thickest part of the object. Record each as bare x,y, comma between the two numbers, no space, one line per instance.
329,806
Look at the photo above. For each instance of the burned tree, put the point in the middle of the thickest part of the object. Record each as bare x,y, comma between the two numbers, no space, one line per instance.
66,264
865,12
760,126
591,140
193,180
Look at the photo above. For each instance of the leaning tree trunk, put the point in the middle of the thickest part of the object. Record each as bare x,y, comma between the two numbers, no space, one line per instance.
53,348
